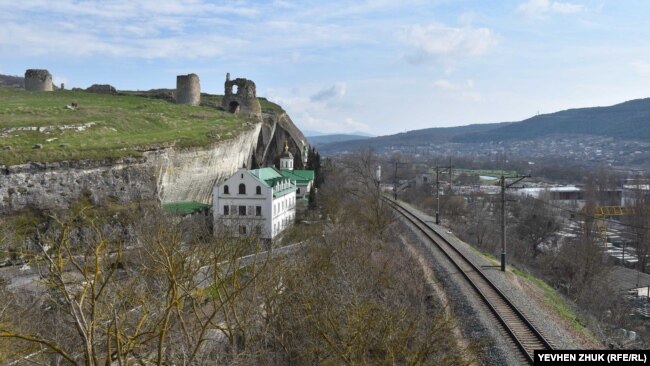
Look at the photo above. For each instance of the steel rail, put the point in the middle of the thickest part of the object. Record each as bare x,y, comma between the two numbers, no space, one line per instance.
522,332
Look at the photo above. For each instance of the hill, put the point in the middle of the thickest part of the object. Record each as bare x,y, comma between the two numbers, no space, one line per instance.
628,120
12,81
327,139
37,126
415,137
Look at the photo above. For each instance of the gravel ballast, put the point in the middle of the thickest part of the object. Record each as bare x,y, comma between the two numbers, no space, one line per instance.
478,324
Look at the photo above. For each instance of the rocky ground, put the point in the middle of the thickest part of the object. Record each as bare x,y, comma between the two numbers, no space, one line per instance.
477,324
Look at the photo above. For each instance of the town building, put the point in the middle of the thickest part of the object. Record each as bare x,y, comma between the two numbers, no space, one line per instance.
633,191
423,179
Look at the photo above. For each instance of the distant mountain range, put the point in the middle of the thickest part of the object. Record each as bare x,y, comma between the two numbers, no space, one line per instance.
412,138
327,139
629,121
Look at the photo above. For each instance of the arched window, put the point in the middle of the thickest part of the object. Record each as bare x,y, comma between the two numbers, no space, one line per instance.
242,188
226,190
258,190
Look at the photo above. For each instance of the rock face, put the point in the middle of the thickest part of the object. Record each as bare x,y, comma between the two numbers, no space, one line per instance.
190,175
276,129
38,80
56,185
166,175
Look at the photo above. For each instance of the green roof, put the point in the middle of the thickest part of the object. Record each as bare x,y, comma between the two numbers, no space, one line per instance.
291,188
184,208
301,176
267,176
270,177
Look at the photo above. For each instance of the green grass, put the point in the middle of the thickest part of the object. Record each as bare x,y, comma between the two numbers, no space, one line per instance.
488,172
183,208
555,301
550,295
124,125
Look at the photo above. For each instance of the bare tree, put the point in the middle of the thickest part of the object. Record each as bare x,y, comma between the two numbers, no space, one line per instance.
538,225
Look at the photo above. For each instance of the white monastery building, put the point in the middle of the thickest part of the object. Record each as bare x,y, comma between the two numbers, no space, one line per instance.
260,201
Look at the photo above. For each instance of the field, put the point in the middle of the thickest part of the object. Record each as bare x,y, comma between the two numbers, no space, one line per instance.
103,126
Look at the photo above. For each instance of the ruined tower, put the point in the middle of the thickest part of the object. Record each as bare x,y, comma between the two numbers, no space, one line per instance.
38,80
188,89
243,100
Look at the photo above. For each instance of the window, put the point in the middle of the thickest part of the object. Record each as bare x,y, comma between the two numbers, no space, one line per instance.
298,191
226,210
242,210
258,210
242,229
258,190
226,190
242,188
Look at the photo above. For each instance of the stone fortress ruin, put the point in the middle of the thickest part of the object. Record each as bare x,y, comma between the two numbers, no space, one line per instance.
170,173
242,99
38,80
188,89
239,94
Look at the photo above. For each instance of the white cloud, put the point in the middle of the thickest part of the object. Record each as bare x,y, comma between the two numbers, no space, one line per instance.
30,40
540,8
318,113
460,91
441,41
641,67
335,91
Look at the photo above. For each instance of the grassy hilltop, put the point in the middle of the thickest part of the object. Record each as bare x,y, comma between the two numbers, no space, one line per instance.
105,126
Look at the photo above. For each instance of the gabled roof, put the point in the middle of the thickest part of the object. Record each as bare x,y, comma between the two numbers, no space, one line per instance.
267,176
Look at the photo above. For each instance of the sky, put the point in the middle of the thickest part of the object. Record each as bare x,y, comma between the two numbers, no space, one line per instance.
377,66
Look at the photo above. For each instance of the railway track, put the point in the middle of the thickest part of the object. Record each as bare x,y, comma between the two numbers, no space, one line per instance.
521,331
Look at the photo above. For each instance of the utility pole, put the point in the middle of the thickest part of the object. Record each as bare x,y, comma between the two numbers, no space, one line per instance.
504,186
438,172
397,163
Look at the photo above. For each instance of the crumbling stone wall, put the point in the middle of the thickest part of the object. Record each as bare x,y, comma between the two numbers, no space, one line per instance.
38,80
188,89
100,89
244,100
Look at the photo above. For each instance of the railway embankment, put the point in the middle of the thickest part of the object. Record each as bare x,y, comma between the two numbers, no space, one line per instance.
478,325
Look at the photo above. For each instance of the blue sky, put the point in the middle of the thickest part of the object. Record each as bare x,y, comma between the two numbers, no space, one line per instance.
373,66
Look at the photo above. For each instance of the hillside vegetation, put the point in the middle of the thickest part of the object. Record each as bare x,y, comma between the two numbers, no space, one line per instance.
415,137
628,120
103,126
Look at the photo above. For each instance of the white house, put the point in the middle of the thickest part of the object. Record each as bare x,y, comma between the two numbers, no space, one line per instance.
259,201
